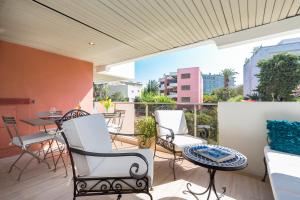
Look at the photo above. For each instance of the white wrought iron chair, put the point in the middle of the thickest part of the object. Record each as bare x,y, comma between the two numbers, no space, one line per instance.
172,133
97,168
25,142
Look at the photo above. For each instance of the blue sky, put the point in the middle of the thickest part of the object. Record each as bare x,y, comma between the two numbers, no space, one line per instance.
208,57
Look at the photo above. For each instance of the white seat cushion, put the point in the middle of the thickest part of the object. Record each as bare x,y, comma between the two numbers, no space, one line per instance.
284,173
88,133
182,141
32,139
120,166
173,119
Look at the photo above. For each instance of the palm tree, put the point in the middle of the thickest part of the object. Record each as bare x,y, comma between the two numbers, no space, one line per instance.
228,73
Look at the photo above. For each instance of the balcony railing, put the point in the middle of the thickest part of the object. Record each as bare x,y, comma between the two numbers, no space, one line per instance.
201,118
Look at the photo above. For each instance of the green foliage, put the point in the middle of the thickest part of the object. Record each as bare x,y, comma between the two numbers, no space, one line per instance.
118,97
223,94
238,98
152,87
239,90
205,116
147,127
278,77
210,98
100,91
154,98
227,73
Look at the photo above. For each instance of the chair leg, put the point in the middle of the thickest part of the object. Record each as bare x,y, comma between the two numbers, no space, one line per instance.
22,170
38,158
174,166
11,167
151,198
266,171
61,151
154,151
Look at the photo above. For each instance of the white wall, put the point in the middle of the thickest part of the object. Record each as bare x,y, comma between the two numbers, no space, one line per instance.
242,126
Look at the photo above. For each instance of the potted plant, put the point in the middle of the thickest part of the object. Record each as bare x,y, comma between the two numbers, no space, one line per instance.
107,103
146,129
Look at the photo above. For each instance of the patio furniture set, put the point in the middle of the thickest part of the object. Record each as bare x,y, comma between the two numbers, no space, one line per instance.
98,169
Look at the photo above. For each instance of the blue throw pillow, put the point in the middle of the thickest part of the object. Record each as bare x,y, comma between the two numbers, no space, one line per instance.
284,136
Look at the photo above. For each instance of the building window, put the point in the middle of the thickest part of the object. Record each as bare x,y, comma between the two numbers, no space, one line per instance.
185,87
185,99
186,76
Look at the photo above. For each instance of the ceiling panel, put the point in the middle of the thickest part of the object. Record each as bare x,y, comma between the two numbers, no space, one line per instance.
129,29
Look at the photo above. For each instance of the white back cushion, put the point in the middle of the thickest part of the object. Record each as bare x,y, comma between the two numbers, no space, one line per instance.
173,119
88,133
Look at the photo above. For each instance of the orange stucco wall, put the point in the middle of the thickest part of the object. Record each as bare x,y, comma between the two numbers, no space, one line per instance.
49,79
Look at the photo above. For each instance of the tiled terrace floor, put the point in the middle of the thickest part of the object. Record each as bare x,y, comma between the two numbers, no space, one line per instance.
39,183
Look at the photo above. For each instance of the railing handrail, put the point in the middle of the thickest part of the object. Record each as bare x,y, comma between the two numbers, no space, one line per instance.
157,103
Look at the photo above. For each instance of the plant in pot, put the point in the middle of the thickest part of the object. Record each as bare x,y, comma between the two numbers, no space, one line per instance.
146,130
107,103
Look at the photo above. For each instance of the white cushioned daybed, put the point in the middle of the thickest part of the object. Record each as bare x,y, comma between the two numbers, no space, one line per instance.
284,174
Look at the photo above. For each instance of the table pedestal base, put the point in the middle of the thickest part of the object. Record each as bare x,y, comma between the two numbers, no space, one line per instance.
210,187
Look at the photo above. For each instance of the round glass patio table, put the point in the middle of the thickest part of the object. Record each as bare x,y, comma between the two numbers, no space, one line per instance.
238,162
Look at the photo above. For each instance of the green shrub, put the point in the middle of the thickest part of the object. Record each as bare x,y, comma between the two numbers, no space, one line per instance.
238,98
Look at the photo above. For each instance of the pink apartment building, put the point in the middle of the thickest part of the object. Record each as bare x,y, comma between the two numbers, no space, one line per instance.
185,86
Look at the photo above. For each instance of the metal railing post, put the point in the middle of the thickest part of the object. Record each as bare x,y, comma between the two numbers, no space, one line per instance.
195,120
147,110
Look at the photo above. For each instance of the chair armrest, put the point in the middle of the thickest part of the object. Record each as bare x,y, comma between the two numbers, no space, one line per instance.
132,172
168,136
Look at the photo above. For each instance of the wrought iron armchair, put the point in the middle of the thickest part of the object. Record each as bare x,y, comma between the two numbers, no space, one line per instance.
172,134
24,143
97,168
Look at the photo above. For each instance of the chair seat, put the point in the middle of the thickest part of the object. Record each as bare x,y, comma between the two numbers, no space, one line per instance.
181,141
113,128
119,166
32,139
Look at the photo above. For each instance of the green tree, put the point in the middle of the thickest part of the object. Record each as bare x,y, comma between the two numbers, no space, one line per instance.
223,94
228,73
118,96
152,87
278,77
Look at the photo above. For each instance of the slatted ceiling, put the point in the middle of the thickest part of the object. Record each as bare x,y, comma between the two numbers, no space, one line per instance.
169,18
268,11
185,10
228,15
204,14
159,11
220,15
178,22
251,13
244,13
147,15
194,11
129,29
277,10
294,8
91,11
150,36
260,10
185,19
285,9
236,14
149,28
164,24
42,33
180,18
87,9
212,15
